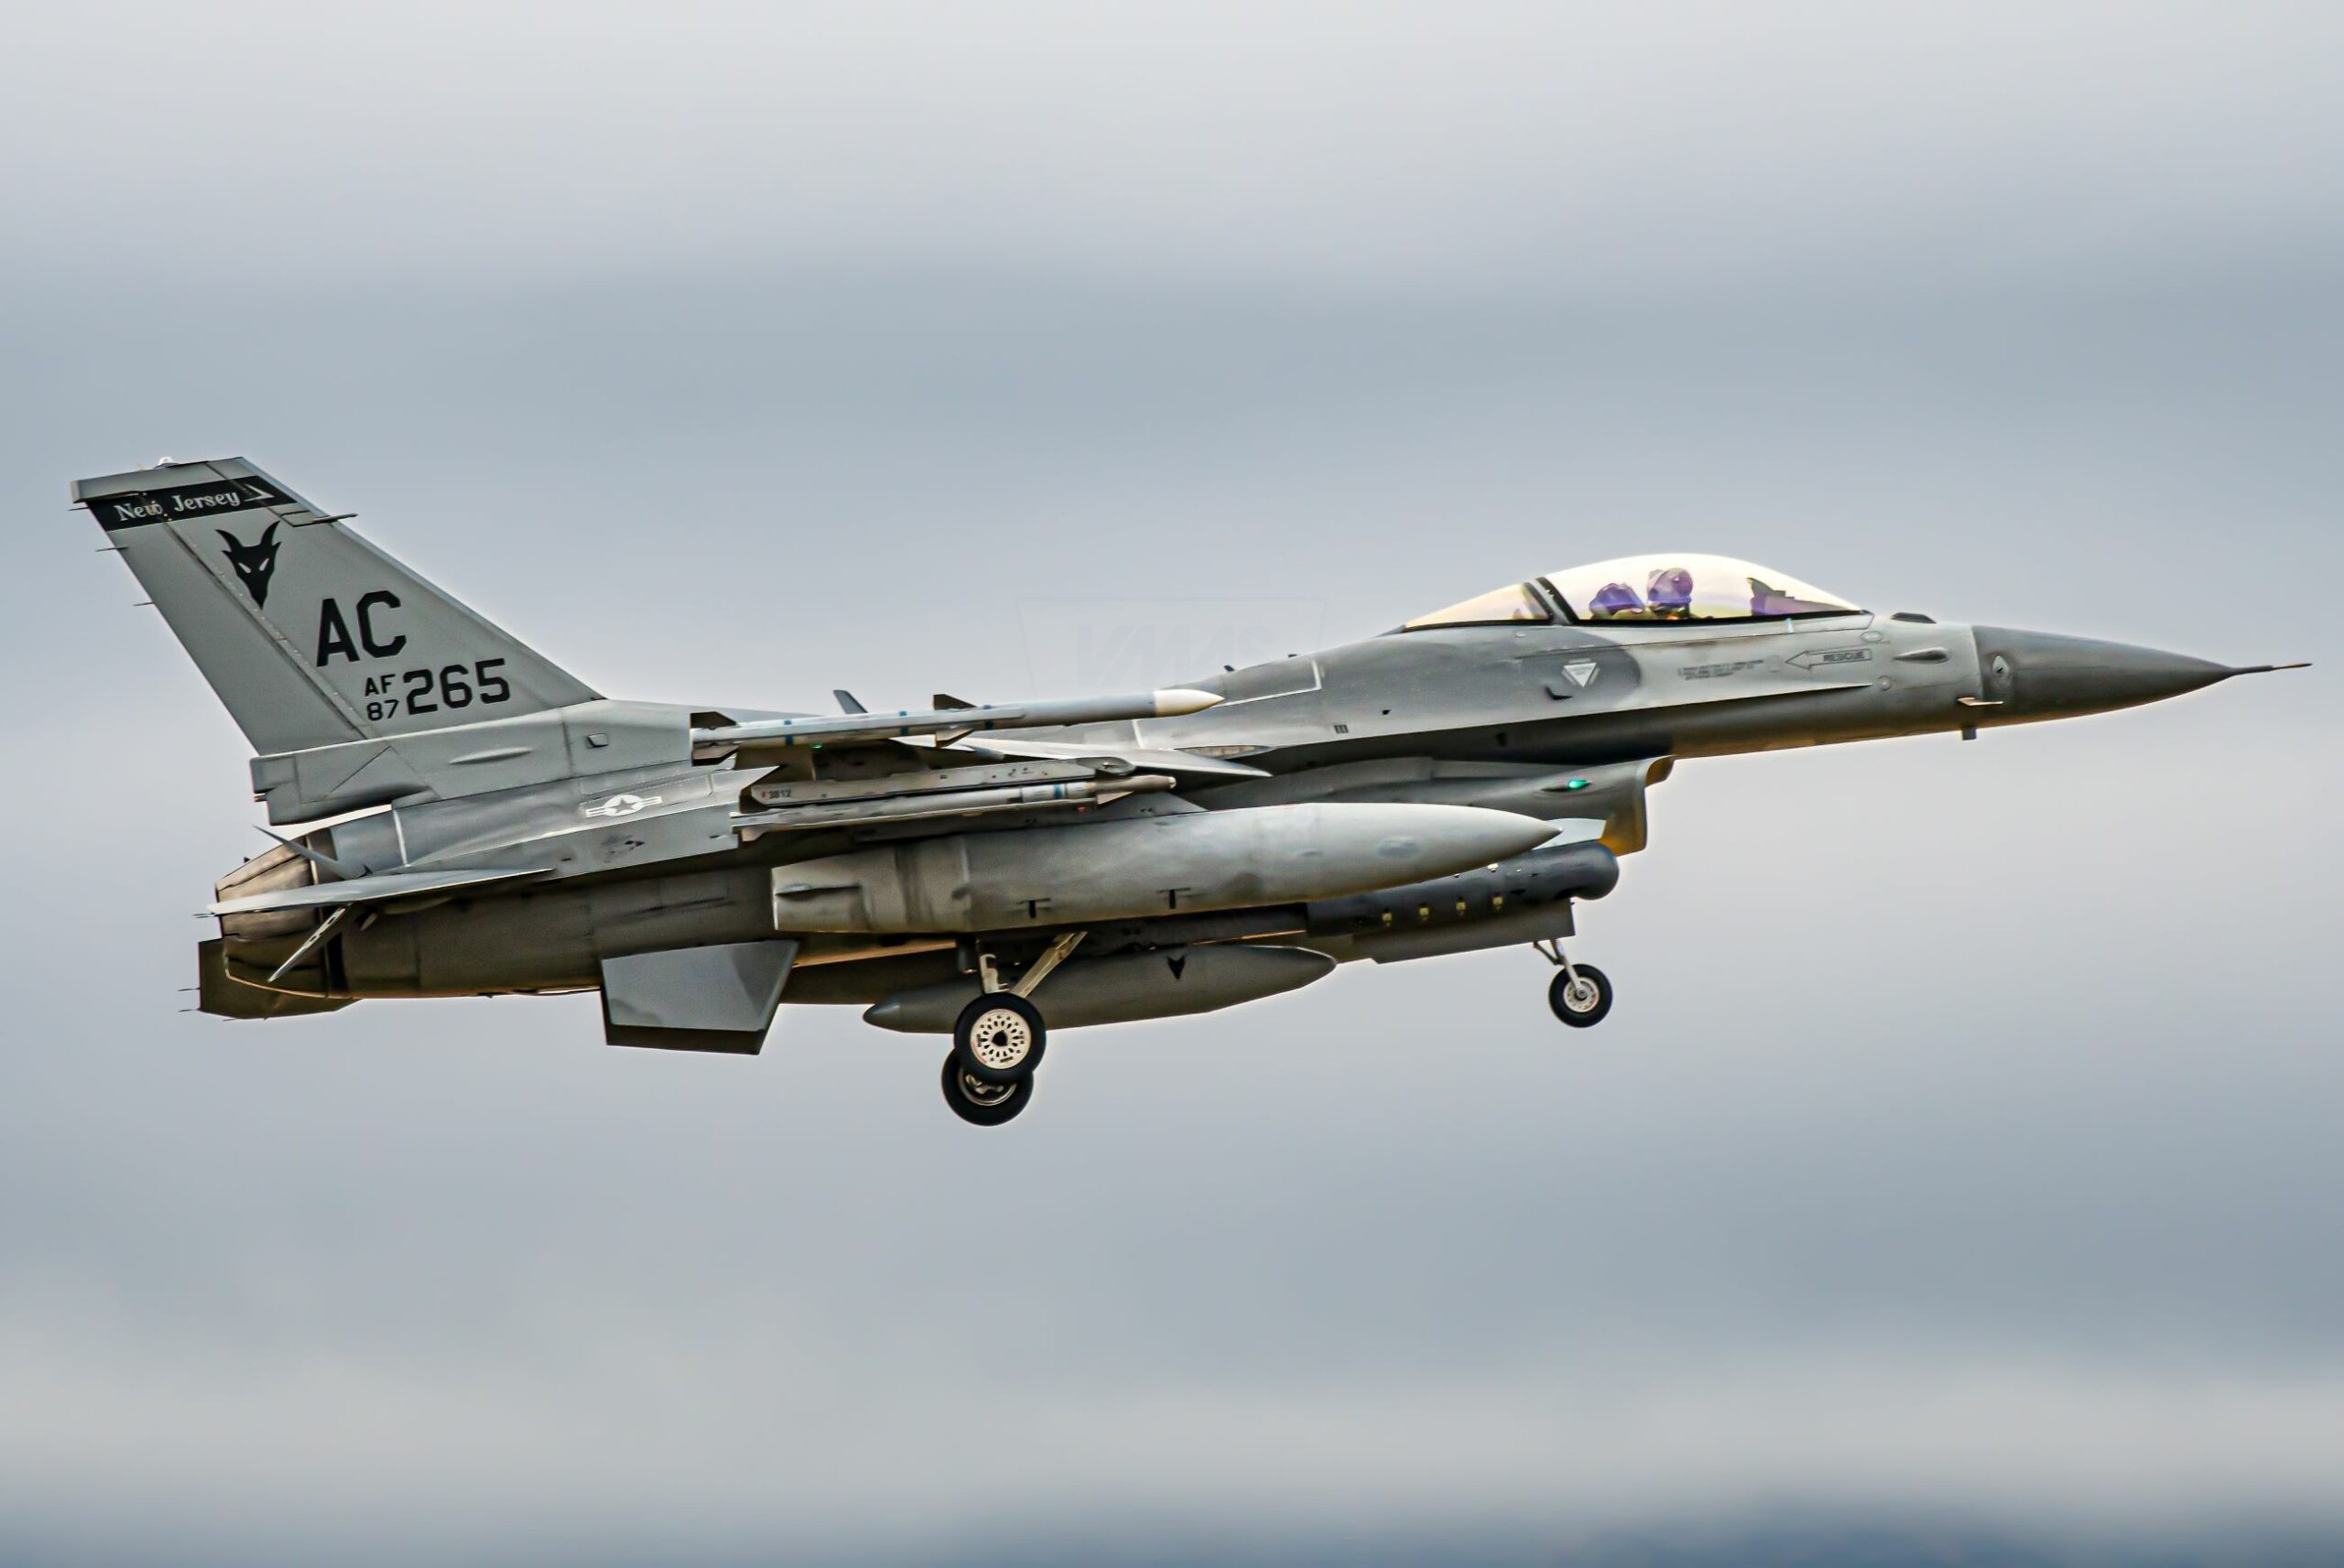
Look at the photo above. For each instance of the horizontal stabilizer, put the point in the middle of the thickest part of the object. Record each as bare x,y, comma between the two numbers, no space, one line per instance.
222,995
381,889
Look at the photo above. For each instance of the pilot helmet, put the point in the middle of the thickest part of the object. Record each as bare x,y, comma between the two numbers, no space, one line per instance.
1671,592
1614,599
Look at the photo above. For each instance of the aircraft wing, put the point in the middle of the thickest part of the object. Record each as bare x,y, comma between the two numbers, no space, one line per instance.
377,889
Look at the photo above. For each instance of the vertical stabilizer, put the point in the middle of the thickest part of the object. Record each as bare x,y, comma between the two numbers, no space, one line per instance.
310,635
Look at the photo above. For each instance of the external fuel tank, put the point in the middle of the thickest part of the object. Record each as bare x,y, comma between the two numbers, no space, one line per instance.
1120,870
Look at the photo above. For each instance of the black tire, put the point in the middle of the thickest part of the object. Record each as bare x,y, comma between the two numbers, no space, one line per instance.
1578,1012
999,1038
984,1110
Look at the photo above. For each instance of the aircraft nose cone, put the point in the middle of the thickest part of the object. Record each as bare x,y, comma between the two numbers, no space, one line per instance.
2042,675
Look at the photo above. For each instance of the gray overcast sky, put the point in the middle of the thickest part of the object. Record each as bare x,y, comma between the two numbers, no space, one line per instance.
1965,1142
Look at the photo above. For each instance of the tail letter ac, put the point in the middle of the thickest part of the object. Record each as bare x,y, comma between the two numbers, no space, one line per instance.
333,631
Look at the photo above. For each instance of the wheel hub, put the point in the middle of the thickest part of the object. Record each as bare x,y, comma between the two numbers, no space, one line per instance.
976,1091
1001,1039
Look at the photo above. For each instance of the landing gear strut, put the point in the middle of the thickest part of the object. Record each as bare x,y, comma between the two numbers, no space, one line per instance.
1579,994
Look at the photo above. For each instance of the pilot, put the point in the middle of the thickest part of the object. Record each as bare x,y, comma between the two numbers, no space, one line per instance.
1670,593
1613,600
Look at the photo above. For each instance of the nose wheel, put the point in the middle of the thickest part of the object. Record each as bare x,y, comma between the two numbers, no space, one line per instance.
1579,994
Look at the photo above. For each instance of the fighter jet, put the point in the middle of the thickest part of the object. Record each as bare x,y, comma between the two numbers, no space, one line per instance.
465,817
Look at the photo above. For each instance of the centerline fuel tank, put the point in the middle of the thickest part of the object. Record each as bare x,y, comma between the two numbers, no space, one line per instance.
1168,983
1196,860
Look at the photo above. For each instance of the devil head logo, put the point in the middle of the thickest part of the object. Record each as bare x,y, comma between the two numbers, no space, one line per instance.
254,563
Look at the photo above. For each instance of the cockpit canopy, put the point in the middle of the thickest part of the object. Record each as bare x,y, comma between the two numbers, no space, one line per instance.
1642,588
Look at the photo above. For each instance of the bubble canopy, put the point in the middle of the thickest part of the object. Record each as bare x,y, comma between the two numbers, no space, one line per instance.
1645,588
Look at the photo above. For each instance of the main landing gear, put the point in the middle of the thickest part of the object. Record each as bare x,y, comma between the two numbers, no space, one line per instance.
999,1038
980,1103
1579,994
998,1041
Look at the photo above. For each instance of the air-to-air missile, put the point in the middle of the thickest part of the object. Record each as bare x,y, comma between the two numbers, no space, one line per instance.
473,818
720,741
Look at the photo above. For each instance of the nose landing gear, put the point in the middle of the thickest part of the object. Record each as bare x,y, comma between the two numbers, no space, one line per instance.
1579,994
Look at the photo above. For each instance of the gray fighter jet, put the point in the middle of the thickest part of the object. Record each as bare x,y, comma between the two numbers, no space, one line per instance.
478,820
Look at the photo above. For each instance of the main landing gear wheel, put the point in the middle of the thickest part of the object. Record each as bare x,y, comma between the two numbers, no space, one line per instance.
998,1038
1581,995
985,1104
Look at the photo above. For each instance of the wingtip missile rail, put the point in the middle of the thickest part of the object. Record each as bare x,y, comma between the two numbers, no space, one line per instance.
715,743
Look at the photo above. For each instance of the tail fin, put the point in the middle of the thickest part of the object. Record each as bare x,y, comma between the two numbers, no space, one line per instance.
310,634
